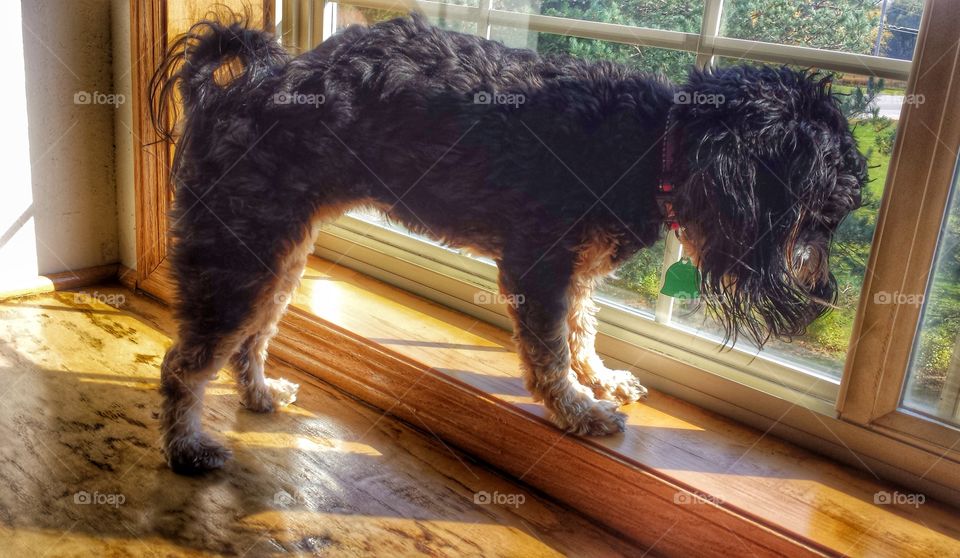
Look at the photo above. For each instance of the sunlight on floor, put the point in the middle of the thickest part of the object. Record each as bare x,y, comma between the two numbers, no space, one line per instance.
300,442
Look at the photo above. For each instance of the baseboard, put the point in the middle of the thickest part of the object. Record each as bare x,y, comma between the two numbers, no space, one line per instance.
127,277
65,280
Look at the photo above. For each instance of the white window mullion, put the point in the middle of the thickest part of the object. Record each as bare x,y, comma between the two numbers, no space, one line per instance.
483,21
673,250
328,21
671,253
709,29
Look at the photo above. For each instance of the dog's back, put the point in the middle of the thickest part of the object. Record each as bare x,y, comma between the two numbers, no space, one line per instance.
410,54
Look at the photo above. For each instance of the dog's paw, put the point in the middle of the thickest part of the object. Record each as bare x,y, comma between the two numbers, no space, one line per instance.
282,392
276,393
599,418
618,385
196,454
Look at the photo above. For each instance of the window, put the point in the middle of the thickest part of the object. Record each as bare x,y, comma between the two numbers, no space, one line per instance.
872,104
668,15
933,381
835,370
850,26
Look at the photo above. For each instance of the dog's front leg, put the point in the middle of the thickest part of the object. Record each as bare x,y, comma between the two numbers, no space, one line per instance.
538,295
612,385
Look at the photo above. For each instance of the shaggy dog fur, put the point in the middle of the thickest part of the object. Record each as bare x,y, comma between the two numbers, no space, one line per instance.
550,166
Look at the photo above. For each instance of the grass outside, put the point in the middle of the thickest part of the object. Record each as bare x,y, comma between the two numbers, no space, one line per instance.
866,136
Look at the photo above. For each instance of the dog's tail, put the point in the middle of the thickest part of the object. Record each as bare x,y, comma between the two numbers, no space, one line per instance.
212,58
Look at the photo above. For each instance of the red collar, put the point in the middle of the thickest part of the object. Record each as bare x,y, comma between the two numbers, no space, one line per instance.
668,174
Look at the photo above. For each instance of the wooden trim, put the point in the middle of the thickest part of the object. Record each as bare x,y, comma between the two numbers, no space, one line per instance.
908,229
160,284
152,24
796,419
645,506
151,156
127,277
64,280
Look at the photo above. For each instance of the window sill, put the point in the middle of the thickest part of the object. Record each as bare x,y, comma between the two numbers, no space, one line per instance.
454,281
458,378
795,406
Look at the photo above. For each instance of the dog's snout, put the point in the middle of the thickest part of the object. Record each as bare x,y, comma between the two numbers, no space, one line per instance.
809,266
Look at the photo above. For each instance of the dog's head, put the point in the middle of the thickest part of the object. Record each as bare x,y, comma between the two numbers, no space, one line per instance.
772,168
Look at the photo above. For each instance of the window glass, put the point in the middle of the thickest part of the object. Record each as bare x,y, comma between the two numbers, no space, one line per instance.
880,28
350,15
933,381
672,15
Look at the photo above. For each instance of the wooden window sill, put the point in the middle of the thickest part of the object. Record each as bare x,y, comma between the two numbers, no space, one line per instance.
681,479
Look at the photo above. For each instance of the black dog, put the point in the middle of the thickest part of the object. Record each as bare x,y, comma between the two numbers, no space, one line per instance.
559,169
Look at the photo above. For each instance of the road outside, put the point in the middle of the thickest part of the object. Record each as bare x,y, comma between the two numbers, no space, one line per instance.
889,105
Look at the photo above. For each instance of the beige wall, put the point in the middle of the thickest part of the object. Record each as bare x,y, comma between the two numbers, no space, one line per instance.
58,209
123,133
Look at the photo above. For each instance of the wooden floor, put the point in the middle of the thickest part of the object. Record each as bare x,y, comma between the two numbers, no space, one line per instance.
81,473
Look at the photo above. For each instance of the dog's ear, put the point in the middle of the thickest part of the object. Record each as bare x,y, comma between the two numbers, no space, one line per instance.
763,150
736,128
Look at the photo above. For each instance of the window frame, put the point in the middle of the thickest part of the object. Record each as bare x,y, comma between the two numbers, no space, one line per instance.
863,399
449,278
909,224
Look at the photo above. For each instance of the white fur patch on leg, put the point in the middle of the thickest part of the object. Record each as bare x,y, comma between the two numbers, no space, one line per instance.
282,392
619,385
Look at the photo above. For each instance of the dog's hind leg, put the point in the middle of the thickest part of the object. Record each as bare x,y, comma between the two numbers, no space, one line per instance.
190,363
259,393
539,292
226,299
225,315
262,394
611,385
